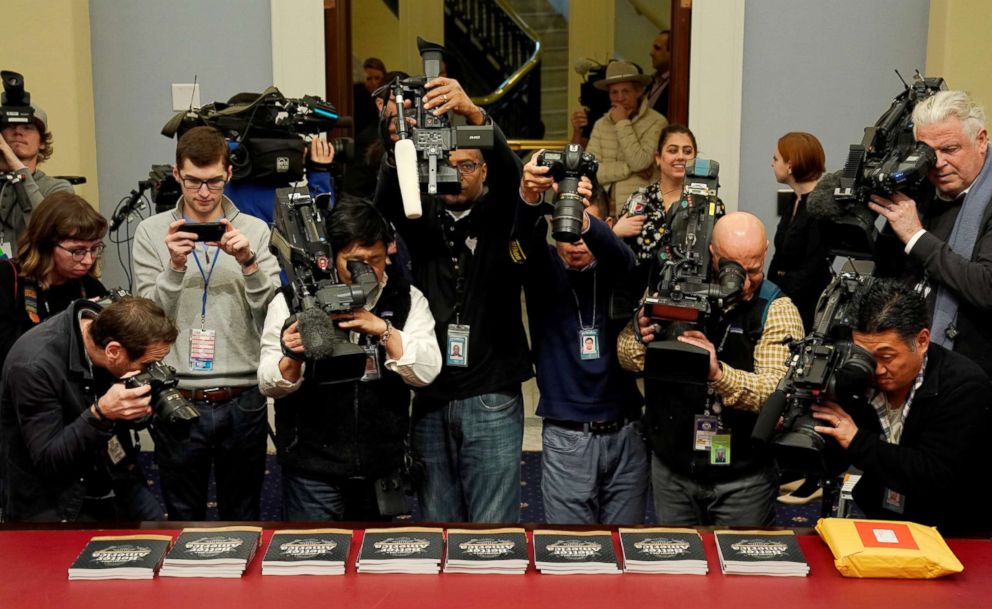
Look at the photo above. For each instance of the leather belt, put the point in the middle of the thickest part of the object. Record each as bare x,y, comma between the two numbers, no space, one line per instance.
214,395
593,427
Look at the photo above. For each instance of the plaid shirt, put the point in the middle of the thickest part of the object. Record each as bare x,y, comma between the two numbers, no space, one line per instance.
880,402
737,388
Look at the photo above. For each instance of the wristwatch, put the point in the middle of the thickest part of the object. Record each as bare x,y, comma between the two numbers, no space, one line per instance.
250,261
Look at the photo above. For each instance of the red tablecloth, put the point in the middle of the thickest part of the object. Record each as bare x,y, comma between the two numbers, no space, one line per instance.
33,575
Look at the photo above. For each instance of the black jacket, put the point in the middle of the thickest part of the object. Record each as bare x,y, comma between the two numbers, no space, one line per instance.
53,451
941,461
351,429
800,265
499,359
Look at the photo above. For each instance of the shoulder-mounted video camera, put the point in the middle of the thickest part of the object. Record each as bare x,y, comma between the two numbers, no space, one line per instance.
15,102
568,166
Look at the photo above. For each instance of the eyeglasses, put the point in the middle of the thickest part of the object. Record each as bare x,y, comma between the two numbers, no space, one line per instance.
79,253
467,167
196,183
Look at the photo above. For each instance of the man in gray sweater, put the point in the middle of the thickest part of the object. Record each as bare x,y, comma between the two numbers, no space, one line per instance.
217,292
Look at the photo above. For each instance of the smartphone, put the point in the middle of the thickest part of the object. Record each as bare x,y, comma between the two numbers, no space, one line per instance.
205,231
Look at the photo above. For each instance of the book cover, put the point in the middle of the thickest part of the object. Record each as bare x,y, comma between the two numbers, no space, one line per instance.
124,551
313,545
214,545
402,544
573,547
487,545
661,545
759,547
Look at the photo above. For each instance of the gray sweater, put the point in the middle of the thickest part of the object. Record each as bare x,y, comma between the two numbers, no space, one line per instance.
236,303
20,199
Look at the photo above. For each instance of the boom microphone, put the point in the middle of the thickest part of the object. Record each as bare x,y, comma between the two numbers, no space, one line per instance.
406,173
821,203
585,65
316,332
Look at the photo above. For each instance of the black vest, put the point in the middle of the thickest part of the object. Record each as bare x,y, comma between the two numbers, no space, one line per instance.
349,430
669,421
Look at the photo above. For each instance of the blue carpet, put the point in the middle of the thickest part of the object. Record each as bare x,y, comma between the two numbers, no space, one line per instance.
531,503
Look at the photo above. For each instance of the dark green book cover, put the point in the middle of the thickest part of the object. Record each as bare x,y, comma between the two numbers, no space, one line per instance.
330,545
660,545
487,545
124,551
213,544
405,543
571,547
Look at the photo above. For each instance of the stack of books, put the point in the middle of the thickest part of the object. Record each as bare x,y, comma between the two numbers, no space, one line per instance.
671,551
307,552
401,550
213,552
487,551
570,552
761,553
121,557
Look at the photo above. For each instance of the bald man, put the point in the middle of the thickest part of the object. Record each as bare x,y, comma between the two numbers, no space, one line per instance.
702,468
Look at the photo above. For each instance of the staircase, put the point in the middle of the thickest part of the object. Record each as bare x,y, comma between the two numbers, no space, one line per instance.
552,29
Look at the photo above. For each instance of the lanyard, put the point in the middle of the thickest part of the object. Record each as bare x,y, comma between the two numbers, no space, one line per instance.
578,307
206,278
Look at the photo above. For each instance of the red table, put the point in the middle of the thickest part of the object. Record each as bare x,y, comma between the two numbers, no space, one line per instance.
33,567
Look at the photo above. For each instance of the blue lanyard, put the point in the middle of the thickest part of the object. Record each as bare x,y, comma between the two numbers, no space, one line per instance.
206,279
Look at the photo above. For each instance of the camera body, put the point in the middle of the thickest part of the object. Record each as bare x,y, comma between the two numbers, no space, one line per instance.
300,243
824,366
15,102
168,405
567,167
433,136
888,160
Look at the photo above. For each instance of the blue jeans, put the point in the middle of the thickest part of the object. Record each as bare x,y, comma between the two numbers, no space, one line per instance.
748,500
231,436
471,449
591,478
305,497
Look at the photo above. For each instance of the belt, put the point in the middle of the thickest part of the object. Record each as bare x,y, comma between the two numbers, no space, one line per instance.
215,394
593,427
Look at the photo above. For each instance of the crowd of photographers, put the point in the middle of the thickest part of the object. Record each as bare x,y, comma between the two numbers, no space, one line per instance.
744,374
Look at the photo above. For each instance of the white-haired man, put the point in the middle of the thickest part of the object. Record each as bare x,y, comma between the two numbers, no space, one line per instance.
947,237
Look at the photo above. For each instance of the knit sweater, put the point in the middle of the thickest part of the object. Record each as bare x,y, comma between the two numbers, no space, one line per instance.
623,148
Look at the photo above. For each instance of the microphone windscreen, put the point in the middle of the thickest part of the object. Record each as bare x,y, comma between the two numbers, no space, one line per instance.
821,203
406,173
582,66
316,332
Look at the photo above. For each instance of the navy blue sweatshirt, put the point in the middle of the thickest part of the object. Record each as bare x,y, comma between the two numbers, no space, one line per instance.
572,388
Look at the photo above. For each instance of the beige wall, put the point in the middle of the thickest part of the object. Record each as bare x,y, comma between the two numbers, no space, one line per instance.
959,46
590,34
376,32
51,47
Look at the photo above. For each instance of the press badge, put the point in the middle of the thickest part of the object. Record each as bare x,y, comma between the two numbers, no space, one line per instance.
372,372
115,451
894,501
201,349
720,449
589,344
705,428
457,351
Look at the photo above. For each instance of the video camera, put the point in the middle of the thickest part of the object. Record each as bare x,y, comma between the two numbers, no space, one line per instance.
299,241
267,132
433,137
683,293
887,160
568,166
824,366
15,102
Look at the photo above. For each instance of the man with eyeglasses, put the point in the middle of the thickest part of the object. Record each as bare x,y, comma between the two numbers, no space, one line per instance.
217,291
468,424
23,147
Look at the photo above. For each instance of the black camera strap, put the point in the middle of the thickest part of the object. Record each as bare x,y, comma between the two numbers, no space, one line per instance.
578,305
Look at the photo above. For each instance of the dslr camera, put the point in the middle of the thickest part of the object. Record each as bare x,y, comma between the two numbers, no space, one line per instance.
826,365
433,136
168,405
568,166
15,102
683,292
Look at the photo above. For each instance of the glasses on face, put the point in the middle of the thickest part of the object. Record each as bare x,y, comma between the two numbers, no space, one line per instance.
79,253
467,167
214,184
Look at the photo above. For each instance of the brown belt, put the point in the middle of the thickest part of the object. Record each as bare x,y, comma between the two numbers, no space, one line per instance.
215,394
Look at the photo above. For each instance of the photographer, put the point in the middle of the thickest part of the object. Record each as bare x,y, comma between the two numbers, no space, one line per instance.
747,358
595,462
335,443
919,435
468,425
217,291
23,147
65,447
946,240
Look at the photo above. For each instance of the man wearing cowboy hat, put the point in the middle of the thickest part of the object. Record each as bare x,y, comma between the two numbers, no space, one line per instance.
22,147
624,140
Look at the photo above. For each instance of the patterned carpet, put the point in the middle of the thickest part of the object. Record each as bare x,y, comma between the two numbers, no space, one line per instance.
532,506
